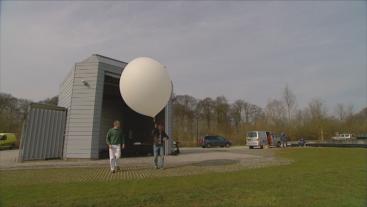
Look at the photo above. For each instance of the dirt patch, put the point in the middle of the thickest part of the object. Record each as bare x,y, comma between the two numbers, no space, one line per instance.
219,162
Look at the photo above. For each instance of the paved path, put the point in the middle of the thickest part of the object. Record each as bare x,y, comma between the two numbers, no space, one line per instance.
202,160
191,161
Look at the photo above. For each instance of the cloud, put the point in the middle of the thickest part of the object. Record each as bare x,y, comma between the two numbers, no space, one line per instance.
248,50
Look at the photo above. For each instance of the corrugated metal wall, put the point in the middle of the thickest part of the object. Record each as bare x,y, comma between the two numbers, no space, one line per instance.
43,133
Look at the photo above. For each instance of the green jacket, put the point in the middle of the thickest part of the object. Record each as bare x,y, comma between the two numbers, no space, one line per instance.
115,137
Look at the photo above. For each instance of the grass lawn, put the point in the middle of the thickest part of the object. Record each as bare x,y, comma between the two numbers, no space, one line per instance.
317,177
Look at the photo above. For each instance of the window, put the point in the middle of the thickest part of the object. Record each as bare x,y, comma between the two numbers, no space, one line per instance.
2,137
262,134
210,138
220,138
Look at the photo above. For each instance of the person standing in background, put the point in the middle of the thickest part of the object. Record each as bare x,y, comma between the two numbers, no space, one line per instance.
159,136
283,139
115,140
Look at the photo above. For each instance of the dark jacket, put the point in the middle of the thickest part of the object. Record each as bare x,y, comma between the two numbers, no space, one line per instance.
158,137
283,137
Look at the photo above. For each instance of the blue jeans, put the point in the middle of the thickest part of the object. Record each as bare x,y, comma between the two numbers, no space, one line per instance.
158,151
284,143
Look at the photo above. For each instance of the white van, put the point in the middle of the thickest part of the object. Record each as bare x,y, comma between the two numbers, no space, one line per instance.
342,137
256,139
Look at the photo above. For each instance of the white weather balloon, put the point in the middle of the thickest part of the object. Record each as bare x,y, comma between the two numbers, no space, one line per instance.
145,86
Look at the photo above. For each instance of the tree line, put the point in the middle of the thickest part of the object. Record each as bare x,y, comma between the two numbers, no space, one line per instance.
13,112
195,118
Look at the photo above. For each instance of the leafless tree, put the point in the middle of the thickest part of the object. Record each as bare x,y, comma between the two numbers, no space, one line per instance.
248,110
289,100
221,109
257,113
206,108
274,111
185,107
349,110
236,113
340,111
317,109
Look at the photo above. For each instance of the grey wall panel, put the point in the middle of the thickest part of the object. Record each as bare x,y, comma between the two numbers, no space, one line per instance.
98,112
81,107
82,111
83,96
66,91
81,115
168,126
168,118
82,149
43,133
79,128
87,75
64,99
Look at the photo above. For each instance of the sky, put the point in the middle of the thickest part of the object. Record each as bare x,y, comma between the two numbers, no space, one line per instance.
240,49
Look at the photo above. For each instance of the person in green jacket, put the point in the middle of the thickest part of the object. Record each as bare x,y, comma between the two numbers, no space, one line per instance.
115,139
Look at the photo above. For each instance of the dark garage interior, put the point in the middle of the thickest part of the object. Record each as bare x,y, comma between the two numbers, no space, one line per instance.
137,128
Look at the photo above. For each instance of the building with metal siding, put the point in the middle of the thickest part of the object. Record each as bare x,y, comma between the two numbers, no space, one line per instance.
43,133
91,96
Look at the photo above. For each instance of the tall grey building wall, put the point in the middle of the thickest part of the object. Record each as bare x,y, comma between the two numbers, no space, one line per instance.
168,118
168,126
64,100
81,115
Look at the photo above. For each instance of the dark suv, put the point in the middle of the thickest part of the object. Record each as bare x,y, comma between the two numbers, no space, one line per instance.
215,141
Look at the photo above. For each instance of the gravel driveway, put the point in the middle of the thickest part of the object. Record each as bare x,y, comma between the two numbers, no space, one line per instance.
191,161
214,159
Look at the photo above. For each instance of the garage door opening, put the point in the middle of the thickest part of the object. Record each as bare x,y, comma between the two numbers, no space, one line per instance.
137,128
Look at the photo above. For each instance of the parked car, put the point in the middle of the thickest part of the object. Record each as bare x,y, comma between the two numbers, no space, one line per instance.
362,136
215,141
302,142
175,148
7,140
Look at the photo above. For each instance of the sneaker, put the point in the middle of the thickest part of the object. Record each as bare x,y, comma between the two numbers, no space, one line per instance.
118,168
156,167
113,171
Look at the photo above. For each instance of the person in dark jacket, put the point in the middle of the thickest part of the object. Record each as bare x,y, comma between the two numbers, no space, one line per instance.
115,140
283,139
159,136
